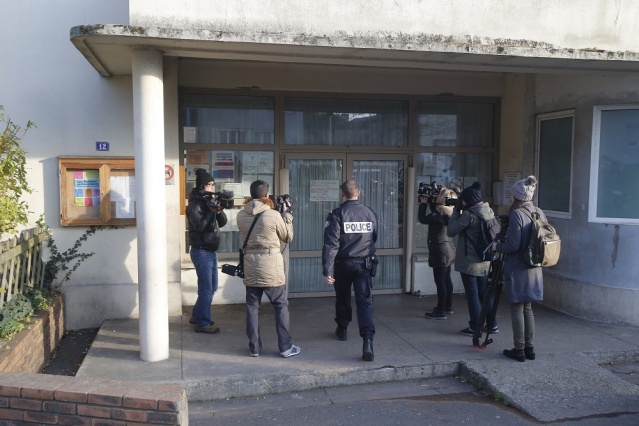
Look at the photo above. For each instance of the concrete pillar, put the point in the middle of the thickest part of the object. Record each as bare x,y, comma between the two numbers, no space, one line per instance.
148,124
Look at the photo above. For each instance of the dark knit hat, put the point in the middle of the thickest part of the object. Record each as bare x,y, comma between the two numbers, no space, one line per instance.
472,194
202,178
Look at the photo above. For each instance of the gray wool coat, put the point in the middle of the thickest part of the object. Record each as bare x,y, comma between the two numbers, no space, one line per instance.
522,283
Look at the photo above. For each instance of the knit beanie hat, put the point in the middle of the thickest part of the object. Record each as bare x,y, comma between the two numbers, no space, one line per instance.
202,178
524,189
472,194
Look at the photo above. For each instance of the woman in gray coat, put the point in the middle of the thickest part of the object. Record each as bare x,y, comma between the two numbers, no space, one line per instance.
523,284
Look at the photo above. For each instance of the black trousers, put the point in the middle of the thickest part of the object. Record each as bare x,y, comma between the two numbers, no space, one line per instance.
354,274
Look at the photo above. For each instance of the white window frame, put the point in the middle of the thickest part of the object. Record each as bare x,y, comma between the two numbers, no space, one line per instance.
594,167
554,116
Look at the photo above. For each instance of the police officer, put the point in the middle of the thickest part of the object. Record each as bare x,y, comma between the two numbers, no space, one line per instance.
348,257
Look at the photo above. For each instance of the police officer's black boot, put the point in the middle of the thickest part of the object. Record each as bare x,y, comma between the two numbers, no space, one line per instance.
341,334
367,350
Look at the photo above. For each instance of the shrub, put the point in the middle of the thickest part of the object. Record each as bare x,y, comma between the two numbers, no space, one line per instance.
20,309
13,176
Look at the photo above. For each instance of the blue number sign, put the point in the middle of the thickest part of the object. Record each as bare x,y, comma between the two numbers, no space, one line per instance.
102,146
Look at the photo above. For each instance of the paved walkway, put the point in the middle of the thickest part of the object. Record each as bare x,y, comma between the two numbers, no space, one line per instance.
569,378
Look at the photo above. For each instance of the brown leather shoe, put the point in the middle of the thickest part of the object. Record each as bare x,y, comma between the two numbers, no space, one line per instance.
193,320
208,329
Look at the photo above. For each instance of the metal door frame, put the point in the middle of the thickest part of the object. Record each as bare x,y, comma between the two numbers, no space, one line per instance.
347,159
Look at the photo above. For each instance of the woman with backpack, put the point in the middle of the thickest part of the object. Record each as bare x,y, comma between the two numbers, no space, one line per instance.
466,223
441,251
523,284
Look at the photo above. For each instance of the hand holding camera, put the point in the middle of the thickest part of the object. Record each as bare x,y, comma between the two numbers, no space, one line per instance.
218,201
282,203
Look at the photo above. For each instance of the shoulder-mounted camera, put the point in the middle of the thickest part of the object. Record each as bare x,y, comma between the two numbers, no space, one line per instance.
223,199
280,201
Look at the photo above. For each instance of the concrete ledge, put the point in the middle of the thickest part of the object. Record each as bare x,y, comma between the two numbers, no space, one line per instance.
40,399
592,302
242,386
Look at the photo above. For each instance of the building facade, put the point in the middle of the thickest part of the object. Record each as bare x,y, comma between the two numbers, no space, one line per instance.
308,94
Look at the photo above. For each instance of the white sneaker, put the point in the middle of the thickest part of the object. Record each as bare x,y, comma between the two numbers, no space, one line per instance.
254,355
294,350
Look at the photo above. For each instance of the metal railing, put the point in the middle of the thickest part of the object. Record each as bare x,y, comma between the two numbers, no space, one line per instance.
21,264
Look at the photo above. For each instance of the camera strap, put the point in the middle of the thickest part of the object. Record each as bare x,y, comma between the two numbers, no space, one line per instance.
246,239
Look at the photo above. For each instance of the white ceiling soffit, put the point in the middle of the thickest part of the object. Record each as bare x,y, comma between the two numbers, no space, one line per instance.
108,49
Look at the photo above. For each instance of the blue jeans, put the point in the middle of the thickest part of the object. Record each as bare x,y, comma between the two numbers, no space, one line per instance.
205,263
474,288
277,297
355,274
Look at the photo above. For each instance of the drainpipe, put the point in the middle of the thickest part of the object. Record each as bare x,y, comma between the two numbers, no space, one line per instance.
410,230
148,125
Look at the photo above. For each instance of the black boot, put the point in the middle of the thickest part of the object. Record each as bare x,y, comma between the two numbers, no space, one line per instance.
341,334
529,351
516,354
367,350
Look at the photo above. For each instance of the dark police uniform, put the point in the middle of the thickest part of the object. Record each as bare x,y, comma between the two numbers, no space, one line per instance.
350,233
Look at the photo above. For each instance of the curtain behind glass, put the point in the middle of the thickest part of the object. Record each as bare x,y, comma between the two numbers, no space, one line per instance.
382,189
382,186
346,122
305,274
455,124
309,216
228,119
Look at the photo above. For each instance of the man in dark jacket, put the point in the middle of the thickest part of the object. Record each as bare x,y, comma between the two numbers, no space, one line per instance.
206,217
350,233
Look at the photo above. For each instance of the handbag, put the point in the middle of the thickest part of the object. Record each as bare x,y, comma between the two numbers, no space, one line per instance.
238,270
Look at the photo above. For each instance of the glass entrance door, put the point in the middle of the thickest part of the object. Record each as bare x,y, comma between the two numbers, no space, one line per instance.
314,181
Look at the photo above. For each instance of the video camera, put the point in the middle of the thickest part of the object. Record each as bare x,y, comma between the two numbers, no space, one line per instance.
431,192
223,199
280,201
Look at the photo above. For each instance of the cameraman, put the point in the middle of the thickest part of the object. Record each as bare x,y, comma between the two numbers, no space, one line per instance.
466,222
441,251
264,265
206,217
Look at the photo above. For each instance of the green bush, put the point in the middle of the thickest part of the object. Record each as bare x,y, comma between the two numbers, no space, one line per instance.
20,309
13,176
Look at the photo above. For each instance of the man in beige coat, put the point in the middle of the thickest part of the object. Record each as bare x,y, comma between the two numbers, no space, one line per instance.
264,265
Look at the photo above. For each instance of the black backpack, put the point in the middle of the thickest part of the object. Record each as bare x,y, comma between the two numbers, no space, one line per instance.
544,246
489,230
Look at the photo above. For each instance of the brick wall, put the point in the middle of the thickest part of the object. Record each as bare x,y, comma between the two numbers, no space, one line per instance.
30,350
64,400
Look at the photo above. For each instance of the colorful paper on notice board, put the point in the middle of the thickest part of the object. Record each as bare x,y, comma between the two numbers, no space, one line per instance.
86,184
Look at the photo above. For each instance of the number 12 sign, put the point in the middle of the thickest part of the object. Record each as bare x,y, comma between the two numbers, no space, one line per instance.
102,146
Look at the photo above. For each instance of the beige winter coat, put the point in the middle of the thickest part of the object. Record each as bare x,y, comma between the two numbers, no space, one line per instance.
263,260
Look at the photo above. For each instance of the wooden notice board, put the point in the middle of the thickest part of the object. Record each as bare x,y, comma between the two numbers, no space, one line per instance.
97,191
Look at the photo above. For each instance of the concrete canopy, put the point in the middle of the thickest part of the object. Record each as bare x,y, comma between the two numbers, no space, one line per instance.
108,50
